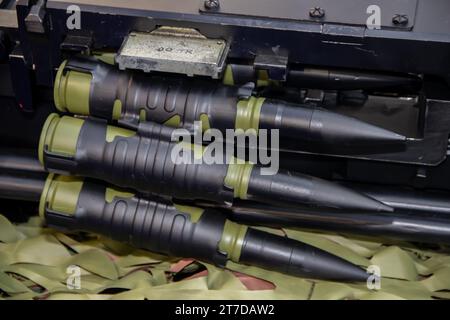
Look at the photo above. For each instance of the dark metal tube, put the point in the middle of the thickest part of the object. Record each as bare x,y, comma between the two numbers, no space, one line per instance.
407,199
21,187
333,79
19,160
336,79
402,225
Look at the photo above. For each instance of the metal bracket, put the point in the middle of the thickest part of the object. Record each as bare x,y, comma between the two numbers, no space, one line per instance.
61,221
275,65
314,96
34,21
246,91
78,42
174,50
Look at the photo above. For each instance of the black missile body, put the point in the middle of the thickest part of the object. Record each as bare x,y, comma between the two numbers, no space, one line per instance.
149,161
340,79
71,204
22,168
416,224
131,98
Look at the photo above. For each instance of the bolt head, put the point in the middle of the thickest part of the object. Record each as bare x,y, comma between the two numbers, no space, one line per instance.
316,12
400,19
212,4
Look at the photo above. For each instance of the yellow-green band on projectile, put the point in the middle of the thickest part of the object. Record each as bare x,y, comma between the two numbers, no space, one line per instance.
60,194
232,239
238,178
72,91
59,89
60,135
248,113
43,198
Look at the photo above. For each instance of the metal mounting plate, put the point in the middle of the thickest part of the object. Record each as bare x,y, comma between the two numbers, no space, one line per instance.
174,50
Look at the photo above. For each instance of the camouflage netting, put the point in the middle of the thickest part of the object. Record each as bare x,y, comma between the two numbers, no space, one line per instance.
34,264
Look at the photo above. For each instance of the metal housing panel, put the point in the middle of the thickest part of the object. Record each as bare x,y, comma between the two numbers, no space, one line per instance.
342,12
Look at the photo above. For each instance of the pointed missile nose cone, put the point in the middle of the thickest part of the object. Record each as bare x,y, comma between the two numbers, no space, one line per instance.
299,188
319,264
324,127
296,258
332,127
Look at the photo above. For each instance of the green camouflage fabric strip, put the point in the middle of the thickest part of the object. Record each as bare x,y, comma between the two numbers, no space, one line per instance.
37,263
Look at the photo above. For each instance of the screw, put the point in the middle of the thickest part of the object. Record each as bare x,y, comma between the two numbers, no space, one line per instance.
317,12
400,19
212,4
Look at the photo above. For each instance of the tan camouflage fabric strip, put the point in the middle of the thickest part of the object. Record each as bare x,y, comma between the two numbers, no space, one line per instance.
34,261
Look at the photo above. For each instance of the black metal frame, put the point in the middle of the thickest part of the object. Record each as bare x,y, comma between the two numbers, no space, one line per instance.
422,46
316,42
